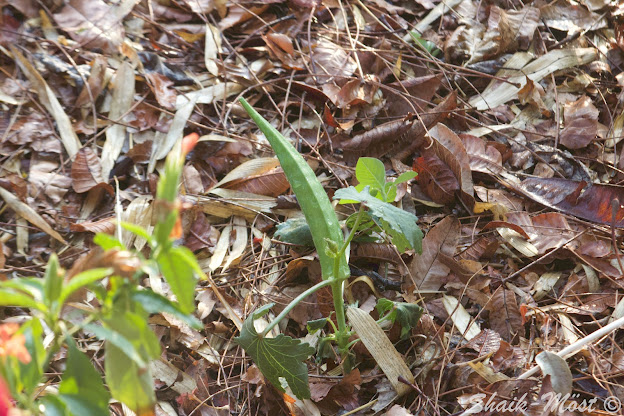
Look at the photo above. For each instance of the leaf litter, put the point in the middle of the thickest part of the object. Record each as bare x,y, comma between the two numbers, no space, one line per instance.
511,116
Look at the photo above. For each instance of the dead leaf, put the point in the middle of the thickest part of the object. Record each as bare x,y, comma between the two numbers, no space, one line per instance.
426,269
25,211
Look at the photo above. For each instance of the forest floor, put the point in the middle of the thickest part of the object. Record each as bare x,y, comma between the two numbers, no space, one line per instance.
512,115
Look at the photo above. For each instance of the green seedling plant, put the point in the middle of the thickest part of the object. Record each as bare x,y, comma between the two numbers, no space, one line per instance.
281,359
119,317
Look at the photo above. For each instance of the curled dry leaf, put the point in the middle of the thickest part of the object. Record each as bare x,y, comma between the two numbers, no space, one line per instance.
86,172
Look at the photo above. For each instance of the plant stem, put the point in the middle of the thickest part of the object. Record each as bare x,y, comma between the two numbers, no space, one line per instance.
294,303
358,220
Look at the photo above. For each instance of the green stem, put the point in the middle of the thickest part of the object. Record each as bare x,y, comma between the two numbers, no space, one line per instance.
358,220
294,303
342,335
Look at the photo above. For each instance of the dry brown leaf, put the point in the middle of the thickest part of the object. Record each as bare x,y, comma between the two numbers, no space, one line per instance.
86,172
450,149
51,103
426,269
25,211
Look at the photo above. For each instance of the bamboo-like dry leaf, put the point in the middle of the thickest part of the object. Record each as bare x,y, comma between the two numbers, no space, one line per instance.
385,354
212,48
461,318
50,102
25,211
498,92
240,242
123,96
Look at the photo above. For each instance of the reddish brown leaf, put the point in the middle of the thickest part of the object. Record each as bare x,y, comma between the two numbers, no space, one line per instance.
399,137
160,86
483,247
271,183
86,172
105,225
420,90
593,204
504,224
435,178
426,269
449,148
505,315
201,234
483,158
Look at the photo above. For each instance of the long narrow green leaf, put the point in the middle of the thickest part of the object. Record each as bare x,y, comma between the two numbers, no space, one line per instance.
314,202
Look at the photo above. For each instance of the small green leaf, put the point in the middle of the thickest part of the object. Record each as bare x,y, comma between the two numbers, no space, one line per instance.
405,176
138,230
129,382
31,373
407,314
295,231
278,357
177,268
82,279
81,388
115,338
399,224
107,242
371,171
53,283
154,303
10,297
316,325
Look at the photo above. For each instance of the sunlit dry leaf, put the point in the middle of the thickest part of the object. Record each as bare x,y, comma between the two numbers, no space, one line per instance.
331,59
237,14
498,92
380,347
123,97
25,211
51,103
44,177
211,48
466,326
558,370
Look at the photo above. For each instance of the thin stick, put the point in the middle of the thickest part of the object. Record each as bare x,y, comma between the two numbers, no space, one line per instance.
572,349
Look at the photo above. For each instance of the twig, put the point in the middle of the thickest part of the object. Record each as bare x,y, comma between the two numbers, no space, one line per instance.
572,349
